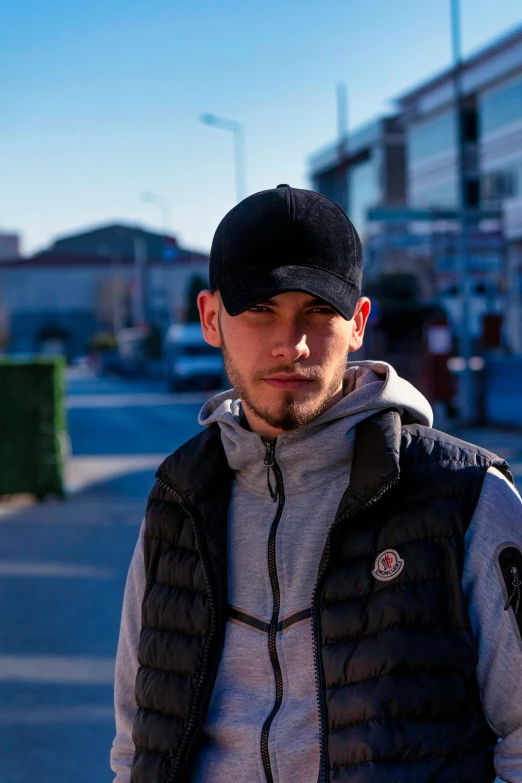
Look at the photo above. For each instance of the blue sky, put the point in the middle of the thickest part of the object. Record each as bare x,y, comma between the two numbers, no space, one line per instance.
100,101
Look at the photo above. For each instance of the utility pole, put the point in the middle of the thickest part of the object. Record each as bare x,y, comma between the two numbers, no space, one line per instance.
163,204
140,262
342,149
159,305
467,401
116,295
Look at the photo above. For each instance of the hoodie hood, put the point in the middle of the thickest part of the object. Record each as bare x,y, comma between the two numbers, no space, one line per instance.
369,387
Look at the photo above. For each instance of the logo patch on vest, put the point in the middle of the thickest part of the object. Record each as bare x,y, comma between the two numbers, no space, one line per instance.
388,565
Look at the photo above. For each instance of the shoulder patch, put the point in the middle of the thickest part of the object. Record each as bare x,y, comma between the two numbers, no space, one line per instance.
388,565
510,562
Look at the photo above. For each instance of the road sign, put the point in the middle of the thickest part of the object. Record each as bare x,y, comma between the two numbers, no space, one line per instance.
408,215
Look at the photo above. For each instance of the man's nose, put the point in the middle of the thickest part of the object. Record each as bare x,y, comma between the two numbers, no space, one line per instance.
291,344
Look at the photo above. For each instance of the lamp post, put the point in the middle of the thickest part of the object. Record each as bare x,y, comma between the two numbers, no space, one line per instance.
116,315
239,148
164,205
466,380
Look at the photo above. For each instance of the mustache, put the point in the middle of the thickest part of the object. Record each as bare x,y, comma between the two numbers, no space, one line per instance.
290,369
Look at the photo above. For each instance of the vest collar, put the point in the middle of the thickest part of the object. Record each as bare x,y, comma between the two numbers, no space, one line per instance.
199,469
375,460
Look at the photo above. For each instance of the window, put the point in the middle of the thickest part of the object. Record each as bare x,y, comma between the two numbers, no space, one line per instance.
498,185
433,137
500,107
440,194
363,193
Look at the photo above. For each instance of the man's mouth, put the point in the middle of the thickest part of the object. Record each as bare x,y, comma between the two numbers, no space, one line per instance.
288,382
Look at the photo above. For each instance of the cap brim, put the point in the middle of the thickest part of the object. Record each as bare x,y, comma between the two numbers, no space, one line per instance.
239,293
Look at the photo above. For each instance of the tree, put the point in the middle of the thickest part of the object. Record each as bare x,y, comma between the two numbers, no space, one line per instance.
4,328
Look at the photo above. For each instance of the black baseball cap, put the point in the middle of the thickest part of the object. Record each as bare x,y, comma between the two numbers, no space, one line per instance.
286,239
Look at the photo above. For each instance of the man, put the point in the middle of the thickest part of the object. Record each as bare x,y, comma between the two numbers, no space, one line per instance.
324,587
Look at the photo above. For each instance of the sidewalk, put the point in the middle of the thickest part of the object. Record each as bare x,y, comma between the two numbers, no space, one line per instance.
63,567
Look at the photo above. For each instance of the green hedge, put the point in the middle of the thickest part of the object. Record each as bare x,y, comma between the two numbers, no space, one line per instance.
32,427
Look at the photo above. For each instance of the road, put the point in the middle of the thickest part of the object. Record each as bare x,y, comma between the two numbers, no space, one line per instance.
62,572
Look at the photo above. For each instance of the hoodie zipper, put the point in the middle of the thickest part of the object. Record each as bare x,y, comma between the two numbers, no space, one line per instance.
318,665
279,496
185,505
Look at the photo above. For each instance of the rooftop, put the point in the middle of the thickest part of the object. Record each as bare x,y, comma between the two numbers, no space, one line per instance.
484,56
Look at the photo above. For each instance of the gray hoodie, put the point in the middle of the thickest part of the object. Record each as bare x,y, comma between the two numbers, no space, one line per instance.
315,462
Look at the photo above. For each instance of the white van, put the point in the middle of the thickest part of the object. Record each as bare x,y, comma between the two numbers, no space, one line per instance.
190,362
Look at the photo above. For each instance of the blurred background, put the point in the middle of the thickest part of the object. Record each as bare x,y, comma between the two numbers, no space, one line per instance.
127,131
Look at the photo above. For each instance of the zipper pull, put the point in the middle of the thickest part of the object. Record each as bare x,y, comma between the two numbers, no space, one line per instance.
515,581
269,462
269,453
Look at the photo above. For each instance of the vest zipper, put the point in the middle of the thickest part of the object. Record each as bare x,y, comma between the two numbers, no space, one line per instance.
318,665
185,505
278,495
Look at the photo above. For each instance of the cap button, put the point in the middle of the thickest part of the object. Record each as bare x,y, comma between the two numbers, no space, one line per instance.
283,186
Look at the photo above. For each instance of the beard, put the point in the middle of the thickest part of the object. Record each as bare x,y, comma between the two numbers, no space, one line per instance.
290,412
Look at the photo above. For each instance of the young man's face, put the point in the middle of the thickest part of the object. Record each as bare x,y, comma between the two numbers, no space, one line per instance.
285,357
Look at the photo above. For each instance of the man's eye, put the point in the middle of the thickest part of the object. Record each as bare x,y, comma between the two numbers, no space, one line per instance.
258,309
323,310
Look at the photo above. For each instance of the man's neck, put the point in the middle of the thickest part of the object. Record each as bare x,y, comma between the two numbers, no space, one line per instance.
259,426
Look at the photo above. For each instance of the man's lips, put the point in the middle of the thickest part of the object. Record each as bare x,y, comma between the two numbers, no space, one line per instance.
288,381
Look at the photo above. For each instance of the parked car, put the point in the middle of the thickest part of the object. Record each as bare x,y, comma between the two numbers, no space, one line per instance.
190,362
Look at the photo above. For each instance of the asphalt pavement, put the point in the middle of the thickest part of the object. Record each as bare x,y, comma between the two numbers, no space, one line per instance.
63,568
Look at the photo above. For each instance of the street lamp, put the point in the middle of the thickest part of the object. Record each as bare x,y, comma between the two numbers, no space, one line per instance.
163,204
466,389
239,148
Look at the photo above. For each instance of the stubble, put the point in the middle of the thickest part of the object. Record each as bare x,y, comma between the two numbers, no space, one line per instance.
291,412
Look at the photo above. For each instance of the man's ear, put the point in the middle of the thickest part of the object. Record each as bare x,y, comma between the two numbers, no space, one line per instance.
208,306
360,317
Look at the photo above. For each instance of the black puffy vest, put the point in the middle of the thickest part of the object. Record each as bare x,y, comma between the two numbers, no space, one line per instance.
396,661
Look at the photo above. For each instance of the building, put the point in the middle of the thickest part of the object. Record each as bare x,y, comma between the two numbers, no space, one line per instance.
9,246
423,239
97,281
492,136
363,170
492,126
118,242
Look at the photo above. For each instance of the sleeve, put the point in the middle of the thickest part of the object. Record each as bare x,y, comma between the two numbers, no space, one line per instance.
496,526
122,751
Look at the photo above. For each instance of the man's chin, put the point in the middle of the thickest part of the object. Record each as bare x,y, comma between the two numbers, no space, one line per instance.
289,415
